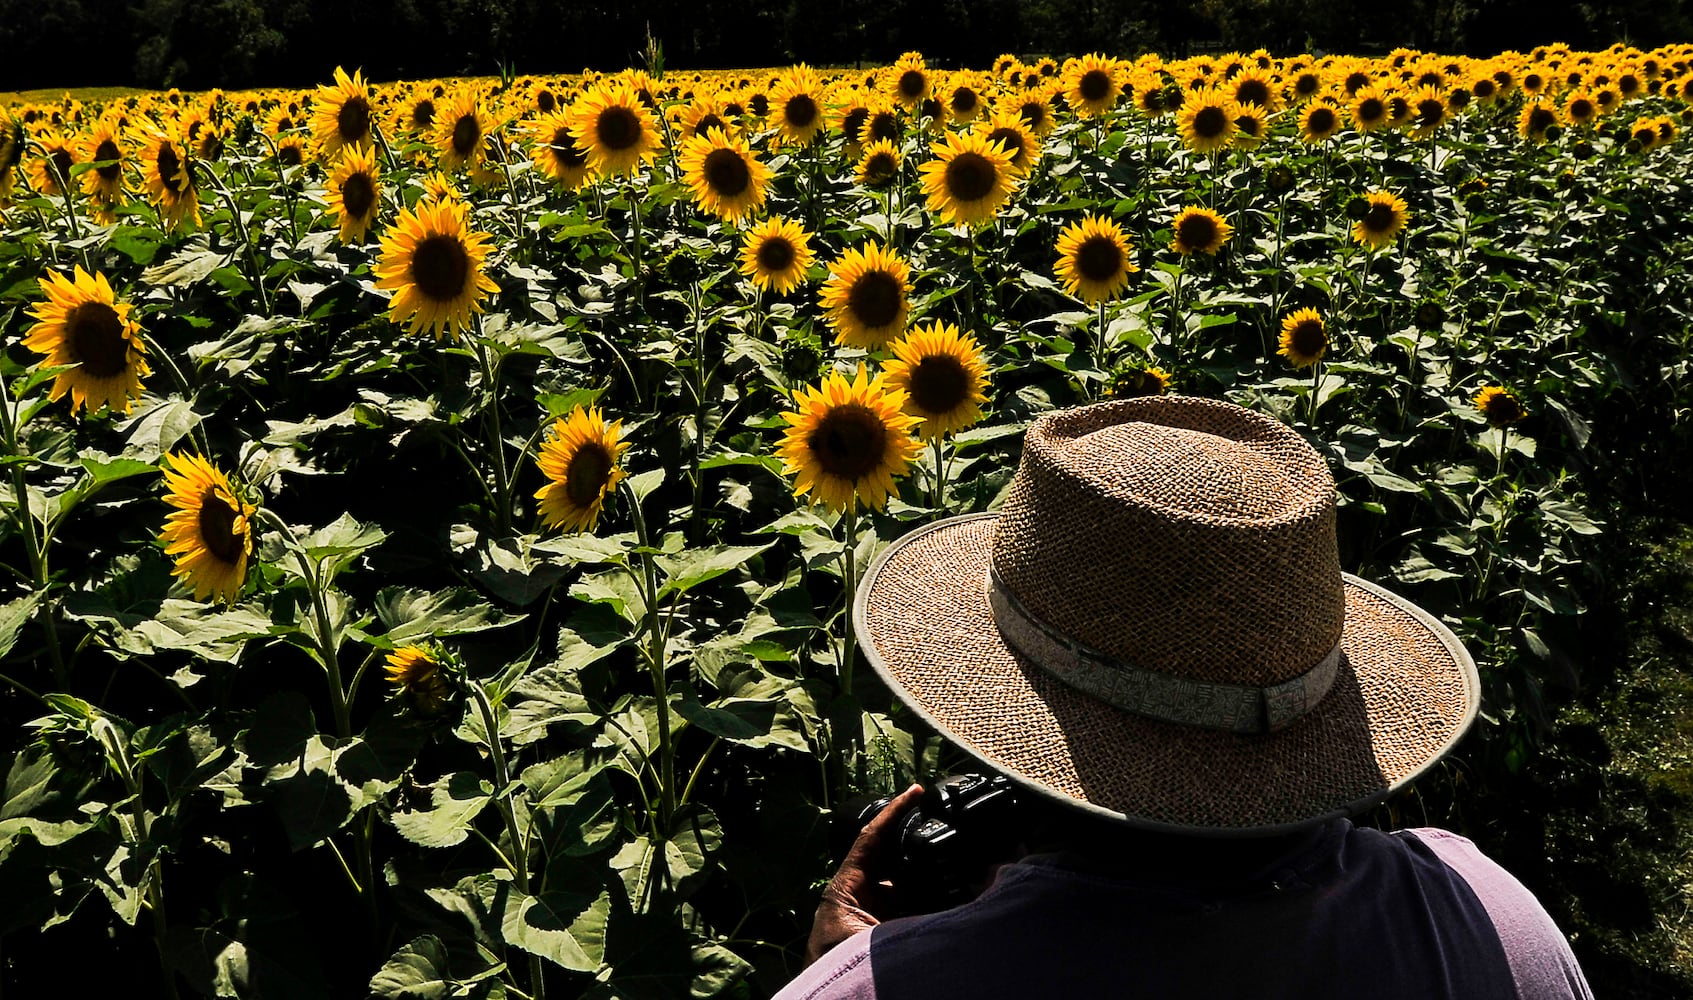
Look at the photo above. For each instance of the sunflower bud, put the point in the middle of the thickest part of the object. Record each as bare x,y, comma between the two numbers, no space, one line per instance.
1430,314
1582,150
682,269
802,359
1280,180
1357,208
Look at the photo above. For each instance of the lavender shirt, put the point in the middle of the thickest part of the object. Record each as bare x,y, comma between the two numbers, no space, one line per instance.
1419,915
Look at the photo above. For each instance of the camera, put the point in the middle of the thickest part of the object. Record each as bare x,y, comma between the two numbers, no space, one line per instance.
939,854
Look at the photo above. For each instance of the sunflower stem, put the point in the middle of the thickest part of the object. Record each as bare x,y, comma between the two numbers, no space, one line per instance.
519,847
35,545
496,437
850,565
241,229
666,770
1316,387
938,500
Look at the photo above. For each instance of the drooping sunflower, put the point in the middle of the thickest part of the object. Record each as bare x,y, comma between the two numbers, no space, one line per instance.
170,179
555,152
580,460
775,254
1499,405
416,674
432,262
83,324
1535,118
210,534
968,180
355,192
879,165
1207,120
1384,217
1092,84
1199,230
943,375
847,442
615,128
867,296
342,114
1093,259
1319,120
724,176
1021,144
50,173
458,130
796,105
1304,339
1429,111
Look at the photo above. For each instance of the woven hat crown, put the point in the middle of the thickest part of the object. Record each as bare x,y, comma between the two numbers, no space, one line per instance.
1184,536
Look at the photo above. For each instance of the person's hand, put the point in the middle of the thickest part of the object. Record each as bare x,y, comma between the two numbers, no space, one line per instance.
860,888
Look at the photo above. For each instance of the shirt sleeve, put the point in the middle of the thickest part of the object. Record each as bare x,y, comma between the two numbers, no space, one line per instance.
842,974
1542,964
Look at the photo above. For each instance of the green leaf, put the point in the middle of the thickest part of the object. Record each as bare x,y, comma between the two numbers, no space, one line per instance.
411,615
342,539
457,801
1571,516
186,268
692,567
644,483
155,431
13,616
566,928
549,696
418,971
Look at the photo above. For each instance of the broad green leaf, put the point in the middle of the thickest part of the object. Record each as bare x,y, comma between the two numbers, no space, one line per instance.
549,696
155,431
418,971
411,615
186,268
341,539
457,800
13,616
692,567
566,928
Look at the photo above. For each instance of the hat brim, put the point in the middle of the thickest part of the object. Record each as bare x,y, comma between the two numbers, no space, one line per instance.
1406,692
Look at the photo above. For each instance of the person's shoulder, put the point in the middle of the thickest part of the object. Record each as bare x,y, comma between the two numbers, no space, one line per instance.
841,974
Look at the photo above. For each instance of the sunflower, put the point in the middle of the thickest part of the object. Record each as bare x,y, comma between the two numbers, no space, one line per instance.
1092,84
724,176
83,324
968,180
290,151
775,254
1369,110
1580,108
1152,98
943,375
797,104
912,82
1035,109
702,115
1384,217
555,152
1499,405
615,128
867,297
848,441
210,534
1304,341
1250,126
416,114
1536,117
579,459
355,191
1255,87
103,147
170,179
880,123
850,116
416,673
1199,230
50,173
1429,111
1021,144
432,262
1207,119
1319,120
963,99
1093,259
458,130
1138,381
879,165
342,113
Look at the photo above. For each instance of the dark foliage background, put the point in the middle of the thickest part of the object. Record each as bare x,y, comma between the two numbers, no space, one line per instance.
248,43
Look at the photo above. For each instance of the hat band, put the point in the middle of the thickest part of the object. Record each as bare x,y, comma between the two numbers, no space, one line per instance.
1231,707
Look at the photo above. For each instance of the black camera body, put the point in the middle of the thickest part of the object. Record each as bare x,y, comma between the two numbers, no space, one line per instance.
940,853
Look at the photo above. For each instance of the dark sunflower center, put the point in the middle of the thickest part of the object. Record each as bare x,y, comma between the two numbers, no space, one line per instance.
726,172
1541,119
1307,84
1248,125
1099,258
939,384
1010,140
1483,89
565,150
62,162
875,299
912,83
617,128
467,132
1095,85
1581,110
1379,219
353,120
96,339
884,126
1253,91
585,476
170,165
358,194
854,121
1430,111
880,167
1398,107
1501,408
1033,114
108,150
1370,109
423,113
1459,98
775,255
963,101
1197,231
217,528
545,102
1356,82
1308,338
440,267
799,111
850,441
1321,120
970,177
1210,122
289,155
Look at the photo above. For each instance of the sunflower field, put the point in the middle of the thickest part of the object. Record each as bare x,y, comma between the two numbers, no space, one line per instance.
429,508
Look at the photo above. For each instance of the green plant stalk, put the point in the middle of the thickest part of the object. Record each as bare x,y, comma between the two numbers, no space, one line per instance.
666,770
246,237
938,500
153,893
496,437
635,226
35,546
290,194
1316,388
519,850
850,558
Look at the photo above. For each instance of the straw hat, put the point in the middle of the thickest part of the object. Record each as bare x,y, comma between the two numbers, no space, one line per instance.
1155,628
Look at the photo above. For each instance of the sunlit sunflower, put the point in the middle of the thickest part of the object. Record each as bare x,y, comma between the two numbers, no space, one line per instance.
1429,111
458,130
342,113
867,296
580,460
912,83
1093,259
1035,109
851,112
210,534
848,441
1304,339
775,254
83,324
1129,383
1021,144
1092,84
416,114
962,97
882,122
438,187
355,192
879,165
1535,118
103,147
1207,120
1499,405
968,180
290,151
1643,134
50,173
169,173
943,375
1199,230
432,262
1384,218
701,115
1369,110
1251,124
1319,120
1255,87
615,128
555,152
416,673
1580,108
796,105
724,176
